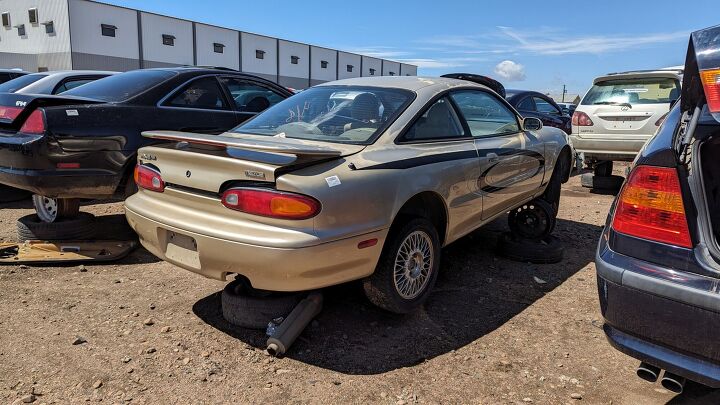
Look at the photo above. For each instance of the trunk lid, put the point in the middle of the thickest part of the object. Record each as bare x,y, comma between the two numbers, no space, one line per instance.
16,108
208,162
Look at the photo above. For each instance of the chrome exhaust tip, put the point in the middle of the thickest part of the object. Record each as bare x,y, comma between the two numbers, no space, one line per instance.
673,382
648,372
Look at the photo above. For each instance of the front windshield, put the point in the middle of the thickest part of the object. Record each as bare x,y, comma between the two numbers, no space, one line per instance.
18,83
344,114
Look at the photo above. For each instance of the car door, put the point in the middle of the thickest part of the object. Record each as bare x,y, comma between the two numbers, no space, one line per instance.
199,106
511,160
249,98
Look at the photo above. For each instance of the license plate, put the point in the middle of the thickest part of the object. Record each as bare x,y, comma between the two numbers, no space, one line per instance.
182,249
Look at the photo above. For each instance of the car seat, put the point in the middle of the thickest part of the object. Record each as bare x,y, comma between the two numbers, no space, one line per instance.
257,104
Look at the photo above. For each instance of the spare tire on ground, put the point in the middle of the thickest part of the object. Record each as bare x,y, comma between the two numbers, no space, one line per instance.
607,183
11,194
253,309
79,227
545,251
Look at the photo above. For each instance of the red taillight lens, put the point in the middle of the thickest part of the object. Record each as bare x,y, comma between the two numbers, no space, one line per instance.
149,179
271,203
711,83
650,206
9,113
581,119
661,119
34,124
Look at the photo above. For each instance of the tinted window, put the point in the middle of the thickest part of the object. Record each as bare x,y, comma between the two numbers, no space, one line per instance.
71,84
544,107
20,82
250,97
350,114
122,86
5,77
438,122
527,104
202,93
485,115
633,91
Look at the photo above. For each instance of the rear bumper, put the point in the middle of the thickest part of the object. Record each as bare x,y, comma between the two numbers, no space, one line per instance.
607,148
267,267
62,183
661,316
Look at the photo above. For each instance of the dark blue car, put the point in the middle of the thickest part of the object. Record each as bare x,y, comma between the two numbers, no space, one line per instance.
658,260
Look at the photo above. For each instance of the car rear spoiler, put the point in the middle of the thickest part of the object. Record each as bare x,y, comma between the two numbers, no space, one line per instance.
702,61
29,102
493,84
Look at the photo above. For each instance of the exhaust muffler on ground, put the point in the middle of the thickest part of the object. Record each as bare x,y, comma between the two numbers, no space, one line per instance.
286,333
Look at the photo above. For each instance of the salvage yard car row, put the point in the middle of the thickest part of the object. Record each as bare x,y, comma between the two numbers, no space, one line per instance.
370,178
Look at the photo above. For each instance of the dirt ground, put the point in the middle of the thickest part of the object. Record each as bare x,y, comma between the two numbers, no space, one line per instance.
493,332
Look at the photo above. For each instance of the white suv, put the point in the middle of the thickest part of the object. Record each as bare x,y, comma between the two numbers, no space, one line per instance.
620,112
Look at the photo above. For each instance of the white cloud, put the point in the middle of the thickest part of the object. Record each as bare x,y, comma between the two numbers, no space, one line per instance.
510,71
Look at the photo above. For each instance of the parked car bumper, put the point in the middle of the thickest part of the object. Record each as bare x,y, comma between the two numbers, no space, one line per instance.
269,267
607,148
73,183
661,316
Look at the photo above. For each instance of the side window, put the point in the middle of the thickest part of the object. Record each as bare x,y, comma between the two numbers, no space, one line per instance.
249,97
527,104
71,84
202,93
544,107
485,114
438,122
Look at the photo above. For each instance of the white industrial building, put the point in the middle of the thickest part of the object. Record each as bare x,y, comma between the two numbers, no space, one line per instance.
40,35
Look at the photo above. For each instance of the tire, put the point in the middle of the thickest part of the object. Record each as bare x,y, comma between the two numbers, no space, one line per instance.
79,227
253,309
51,209
11,194
382,288
545,251
604,168
609,183
534,220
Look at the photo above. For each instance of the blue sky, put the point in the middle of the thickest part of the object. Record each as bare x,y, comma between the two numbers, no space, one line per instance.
525,44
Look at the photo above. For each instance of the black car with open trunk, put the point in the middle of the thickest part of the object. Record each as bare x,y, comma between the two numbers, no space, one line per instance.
658,260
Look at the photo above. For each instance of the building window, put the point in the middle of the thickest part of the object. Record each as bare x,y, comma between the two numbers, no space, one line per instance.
6,20
168,40
33,15
350,68
108,30
259,54
323,64
218,47
49,27
372,72
294,60
21,30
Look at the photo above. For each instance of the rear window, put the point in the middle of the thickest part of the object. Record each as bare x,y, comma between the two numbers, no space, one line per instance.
633,91
16,84
122,86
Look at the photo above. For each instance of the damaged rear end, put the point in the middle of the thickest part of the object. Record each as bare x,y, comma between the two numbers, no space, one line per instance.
225,204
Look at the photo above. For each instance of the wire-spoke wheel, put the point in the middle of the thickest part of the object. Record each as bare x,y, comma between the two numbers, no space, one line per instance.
413,263
407,269
50,209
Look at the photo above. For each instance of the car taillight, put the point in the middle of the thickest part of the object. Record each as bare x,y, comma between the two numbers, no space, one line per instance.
661,119
9,113
711,83
34,124
650,206
581,119
149,178
271,203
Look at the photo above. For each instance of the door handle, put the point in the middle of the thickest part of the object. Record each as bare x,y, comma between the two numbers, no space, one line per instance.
492,157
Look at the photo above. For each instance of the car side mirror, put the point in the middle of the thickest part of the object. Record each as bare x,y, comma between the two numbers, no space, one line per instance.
532,124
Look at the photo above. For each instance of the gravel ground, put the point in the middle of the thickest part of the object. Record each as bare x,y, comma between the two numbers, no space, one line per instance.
494,331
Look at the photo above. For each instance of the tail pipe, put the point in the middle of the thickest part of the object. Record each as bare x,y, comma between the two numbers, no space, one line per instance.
648,372
673,382
286,333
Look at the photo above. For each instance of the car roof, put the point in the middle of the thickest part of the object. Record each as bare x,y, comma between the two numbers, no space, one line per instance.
515,92
70,73
412,83
13,71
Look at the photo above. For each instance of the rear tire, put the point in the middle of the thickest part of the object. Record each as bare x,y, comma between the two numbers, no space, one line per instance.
79,227
50,209
534,220
246,307
407,269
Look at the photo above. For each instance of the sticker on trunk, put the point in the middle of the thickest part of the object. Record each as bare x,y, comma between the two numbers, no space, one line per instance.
332,181
72,113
